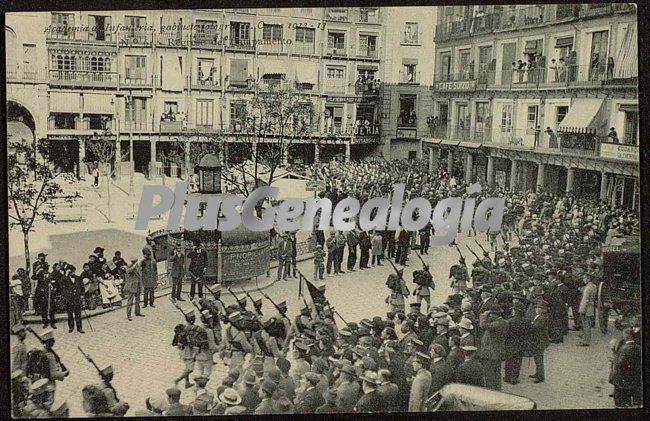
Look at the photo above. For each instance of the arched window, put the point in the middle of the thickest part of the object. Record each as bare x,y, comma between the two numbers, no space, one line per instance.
107,64
59,62
12,49
93,64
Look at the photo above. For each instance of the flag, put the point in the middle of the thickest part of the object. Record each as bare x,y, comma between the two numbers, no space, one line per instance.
316,295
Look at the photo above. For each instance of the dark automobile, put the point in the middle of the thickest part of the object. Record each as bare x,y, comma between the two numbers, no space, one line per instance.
620,288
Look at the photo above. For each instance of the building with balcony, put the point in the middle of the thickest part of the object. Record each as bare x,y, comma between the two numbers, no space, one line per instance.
155,78
407,75
538,97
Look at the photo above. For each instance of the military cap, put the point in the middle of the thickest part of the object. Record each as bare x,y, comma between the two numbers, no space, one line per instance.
440,315
18,327
47,334
106,370
466,323
173,391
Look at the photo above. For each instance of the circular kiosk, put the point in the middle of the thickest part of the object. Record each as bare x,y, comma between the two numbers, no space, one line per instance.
232,255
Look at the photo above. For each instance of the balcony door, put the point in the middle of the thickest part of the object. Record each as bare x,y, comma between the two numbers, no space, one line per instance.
508,54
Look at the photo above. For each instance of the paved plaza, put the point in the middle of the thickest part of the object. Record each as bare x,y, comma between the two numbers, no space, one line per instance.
145,362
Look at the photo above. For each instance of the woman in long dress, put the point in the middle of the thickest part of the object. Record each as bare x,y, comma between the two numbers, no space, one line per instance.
108,288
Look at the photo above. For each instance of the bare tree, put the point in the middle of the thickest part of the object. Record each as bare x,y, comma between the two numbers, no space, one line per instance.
104,148
270,123
33,188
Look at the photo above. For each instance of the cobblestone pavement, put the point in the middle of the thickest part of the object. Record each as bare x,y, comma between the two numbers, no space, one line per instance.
145,362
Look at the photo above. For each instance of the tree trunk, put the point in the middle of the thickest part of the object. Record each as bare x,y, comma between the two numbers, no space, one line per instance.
108,196
26,241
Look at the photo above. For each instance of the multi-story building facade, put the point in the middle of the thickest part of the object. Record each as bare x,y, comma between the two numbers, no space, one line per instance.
539,97
158,77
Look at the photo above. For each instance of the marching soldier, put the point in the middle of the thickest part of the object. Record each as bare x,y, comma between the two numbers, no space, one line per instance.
41,398
237,342
186,350
117,407
204,356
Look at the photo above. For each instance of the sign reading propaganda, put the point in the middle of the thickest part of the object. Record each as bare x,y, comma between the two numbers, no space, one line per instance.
244,264
618,151
465,85
407,133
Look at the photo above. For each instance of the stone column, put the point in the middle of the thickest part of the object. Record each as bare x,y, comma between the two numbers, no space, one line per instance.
469,164
603,185
450,161
81,168
348,151
130,148
490,170
540,176
152,159
514,169
188,161
570,173
430,160
316,153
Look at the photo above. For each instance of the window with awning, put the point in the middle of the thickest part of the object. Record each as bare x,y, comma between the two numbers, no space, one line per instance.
307,73
585,116
626,64
275,69
98,104
629,108
564,42
65,102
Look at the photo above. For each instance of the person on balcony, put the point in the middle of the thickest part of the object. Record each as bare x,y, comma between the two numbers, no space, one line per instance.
554,71
552,138
595,61
612,135
561,70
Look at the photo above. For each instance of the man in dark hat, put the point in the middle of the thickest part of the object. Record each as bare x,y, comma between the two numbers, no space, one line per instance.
492,350
470,371
539,339
516,342
311,398
72,290
176,268
348,388
198,265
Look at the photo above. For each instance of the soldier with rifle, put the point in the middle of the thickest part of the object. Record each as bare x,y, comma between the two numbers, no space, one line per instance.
117,407
186,350
424,281
281,319
207,345
56,370
237,342
459,275
398,288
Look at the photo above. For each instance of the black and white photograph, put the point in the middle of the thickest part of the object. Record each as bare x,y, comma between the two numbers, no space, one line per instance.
323,210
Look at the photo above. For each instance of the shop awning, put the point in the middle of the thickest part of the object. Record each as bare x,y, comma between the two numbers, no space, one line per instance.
273,67
564,42
626,64
433,140
307,73
450,142
98,104
65,102
584,116
471,145
629,108
366,67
